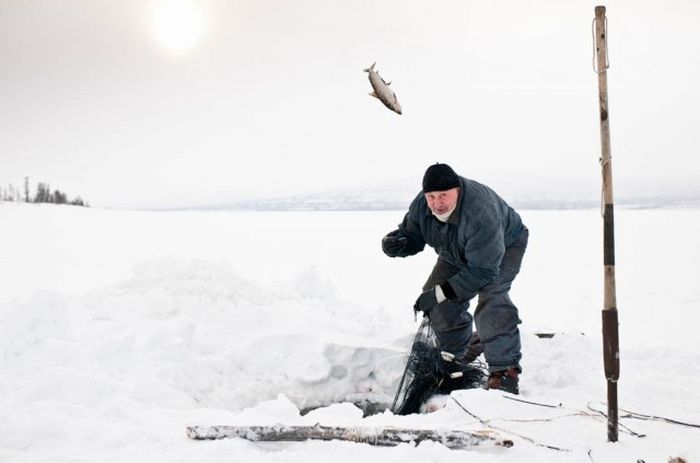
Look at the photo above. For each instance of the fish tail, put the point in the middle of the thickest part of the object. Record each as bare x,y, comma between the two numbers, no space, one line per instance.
371,68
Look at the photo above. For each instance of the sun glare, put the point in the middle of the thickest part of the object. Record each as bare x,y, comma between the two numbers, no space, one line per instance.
178,25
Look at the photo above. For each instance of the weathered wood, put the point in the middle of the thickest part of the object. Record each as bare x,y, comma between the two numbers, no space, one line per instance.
384,436
601,43
610,297
611,345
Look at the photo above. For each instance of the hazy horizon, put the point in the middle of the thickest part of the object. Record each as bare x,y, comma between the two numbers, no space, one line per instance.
635,193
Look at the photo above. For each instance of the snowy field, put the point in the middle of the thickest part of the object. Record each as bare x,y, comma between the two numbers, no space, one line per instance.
120,328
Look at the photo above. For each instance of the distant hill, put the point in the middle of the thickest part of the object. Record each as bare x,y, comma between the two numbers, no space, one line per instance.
399,199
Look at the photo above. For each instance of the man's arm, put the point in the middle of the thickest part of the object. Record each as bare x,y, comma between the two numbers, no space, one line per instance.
407,240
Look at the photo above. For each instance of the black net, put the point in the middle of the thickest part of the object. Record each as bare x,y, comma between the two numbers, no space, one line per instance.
427,373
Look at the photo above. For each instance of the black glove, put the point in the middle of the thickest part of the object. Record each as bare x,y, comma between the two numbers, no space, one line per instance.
426,301
393,243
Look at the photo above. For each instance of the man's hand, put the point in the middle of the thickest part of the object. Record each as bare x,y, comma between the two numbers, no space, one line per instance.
393,244
426,301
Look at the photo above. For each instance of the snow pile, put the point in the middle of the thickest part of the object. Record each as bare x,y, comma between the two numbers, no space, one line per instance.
119,329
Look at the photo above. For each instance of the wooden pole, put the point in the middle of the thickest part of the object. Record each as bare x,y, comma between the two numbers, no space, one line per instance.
611,344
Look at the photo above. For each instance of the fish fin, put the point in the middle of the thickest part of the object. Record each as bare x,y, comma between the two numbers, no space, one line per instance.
374,95
371,68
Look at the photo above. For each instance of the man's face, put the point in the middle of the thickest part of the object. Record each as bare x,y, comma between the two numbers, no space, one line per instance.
441,202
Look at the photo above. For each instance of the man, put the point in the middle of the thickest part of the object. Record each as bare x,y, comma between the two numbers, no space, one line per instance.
480,241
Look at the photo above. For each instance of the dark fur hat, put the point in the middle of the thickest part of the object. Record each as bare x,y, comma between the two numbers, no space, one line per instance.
439,177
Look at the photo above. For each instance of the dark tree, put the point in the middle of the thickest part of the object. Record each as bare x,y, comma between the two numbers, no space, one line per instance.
59,197
41,195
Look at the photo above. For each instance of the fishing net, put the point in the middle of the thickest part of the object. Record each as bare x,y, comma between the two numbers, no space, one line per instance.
427,373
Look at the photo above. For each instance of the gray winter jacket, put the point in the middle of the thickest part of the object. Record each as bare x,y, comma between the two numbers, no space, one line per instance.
474,238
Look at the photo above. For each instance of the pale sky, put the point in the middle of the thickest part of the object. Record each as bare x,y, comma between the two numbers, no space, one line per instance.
177,103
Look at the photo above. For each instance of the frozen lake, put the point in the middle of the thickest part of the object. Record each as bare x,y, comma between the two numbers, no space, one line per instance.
118,328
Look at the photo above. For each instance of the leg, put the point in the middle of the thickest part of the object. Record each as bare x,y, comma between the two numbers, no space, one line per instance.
452,324
450,320
496,316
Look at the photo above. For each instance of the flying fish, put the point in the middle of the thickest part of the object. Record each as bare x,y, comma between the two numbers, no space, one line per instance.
382,91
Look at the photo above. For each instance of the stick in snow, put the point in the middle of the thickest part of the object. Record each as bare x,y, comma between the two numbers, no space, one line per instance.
387,436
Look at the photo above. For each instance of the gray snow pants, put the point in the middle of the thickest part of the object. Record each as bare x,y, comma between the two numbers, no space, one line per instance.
496,317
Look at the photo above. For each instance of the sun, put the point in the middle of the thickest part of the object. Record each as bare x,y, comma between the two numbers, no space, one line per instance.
178,25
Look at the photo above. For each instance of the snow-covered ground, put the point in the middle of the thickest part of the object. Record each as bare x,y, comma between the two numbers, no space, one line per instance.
120,328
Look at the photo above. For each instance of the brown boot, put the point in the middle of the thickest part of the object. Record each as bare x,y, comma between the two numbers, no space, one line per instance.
505,380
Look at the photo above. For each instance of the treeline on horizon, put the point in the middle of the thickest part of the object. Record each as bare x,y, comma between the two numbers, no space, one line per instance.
43,194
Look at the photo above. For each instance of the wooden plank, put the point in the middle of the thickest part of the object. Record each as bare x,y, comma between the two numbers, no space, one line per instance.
383,436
